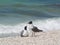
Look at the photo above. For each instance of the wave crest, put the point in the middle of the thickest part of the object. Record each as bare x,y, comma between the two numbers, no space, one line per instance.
45,25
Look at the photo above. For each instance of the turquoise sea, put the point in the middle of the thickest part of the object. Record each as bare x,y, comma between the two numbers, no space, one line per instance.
14,15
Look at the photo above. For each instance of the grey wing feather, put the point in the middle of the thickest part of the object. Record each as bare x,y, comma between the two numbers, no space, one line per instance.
22,33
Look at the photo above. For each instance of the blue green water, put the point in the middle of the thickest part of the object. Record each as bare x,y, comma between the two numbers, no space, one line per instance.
14,14
29,1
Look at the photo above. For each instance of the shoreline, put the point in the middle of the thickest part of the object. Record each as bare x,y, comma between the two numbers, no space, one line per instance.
42,38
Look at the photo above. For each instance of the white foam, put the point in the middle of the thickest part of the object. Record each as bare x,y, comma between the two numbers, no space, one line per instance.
11,29
48,24
45,25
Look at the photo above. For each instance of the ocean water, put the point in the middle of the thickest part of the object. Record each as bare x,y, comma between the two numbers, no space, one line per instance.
13,17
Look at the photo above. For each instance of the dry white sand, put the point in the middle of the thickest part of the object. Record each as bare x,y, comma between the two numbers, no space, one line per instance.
43,38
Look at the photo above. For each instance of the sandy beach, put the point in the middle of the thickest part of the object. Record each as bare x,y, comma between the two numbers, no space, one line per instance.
42,38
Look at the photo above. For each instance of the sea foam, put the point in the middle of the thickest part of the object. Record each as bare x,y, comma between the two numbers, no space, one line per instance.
48,24
45,25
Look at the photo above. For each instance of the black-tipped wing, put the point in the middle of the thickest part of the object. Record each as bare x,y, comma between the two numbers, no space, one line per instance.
35,29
